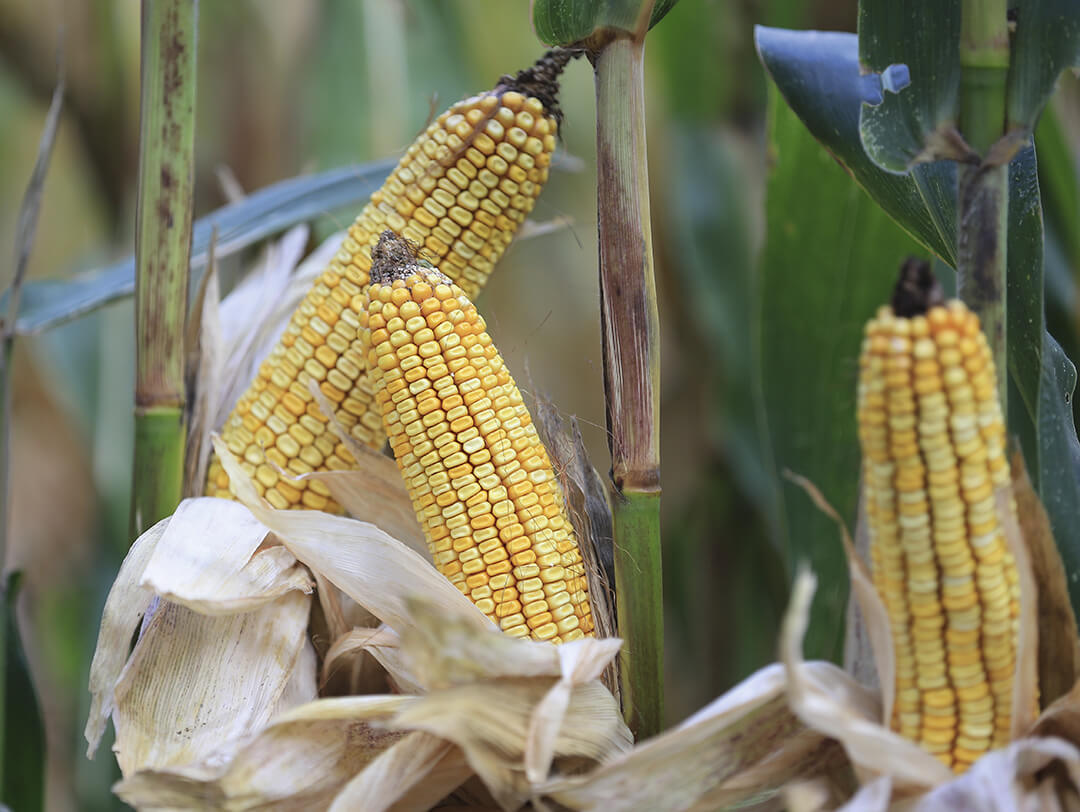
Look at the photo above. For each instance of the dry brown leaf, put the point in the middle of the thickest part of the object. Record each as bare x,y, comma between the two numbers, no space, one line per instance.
489,721
874,615
704,762
1025,694
1059,640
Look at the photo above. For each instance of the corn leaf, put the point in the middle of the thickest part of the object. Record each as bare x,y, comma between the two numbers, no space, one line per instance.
818,75
829,262
914,48
565,22
47,303
1046,42
23,784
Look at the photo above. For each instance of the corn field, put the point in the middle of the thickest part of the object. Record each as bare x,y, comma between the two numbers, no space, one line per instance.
553,405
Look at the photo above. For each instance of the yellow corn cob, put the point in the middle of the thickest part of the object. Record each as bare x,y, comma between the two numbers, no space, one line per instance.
461,191
933,446
481,481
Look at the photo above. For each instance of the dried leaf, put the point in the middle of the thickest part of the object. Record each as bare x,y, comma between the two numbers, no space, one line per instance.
299,762
840,708
207,561
1025,694
127,602
374,569
489,721
580,661
1059,640
375,492
1004,779
858,647
445,651
414,774
699,763
196,685
382,645
256,311
874,615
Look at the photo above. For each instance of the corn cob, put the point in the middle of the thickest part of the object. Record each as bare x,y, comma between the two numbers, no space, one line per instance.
461,191
933,446
481,481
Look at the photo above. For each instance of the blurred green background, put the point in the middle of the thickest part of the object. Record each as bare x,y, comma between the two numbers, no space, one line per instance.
288,87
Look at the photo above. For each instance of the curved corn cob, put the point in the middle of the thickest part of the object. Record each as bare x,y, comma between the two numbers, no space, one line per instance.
480,479
933,447
461,191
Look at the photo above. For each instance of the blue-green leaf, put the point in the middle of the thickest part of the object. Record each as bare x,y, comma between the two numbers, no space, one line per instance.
1046,42
47,303
924,36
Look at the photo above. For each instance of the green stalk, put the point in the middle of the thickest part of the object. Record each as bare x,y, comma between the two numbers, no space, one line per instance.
630,327
162,254
983,188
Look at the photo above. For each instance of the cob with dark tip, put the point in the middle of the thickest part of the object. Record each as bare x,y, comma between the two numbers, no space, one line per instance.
933,445
460,192
480,479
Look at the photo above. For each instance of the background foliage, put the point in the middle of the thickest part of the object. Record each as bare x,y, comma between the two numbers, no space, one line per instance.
747,208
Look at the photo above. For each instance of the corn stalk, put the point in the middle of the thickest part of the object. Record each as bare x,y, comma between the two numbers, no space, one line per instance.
630,328
162,254
983,186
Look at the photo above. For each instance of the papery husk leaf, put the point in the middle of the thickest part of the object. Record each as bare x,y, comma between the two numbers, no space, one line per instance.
580,661
744,745
1059,640
383,646
1025,693
414,774
197,685
444,651
202,373
298,762
872,797
1006,779
489,720
375,492
374,569
255,313
859,648
840,708
128,600
874,615
1061,718
590,513
209,561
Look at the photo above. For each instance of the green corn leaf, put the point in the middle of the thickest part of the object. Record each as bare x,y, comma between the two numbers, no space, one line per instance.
565,22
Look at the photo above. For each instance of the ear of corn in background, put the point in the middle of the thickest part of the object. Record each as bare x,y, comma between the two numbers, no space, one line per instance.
481,481
933,445
461,191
